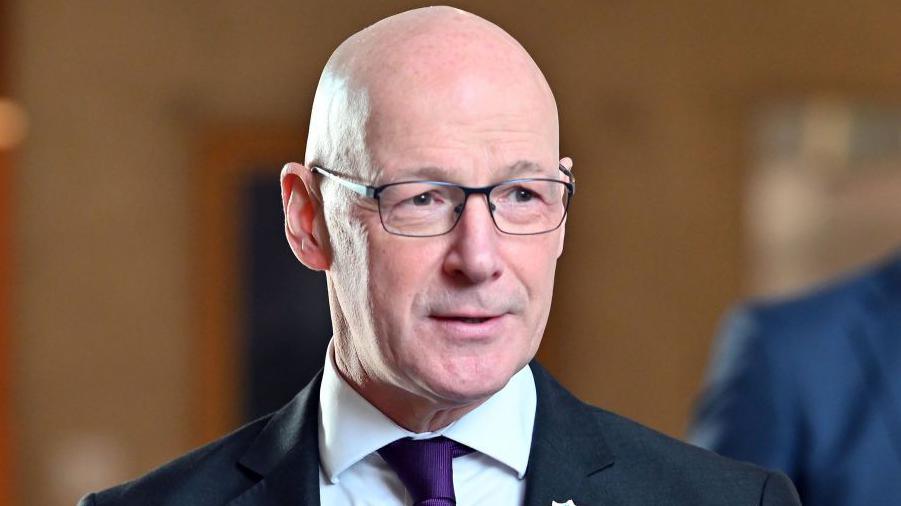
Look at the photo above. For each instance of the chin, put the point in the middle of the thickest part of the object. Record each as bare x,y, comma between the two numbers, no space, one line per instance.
472,381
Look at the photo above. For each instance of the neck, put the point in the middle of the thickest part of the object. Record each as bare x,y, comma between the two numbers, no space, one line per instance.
415,413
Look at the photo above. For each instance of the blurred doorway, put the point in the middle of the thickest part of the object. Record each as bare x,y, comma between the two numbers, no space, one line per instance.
262,318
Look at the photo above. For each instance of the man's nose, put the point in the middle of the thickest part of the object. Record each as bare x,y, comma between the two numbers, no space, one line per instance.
473,256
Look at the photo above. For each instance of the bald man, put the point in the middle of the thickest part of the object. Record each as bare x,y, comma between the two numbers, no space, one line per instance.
434,197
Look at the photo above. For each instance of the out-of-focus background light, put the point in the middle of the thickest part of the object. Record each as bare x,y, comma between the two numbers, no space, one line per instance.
13,123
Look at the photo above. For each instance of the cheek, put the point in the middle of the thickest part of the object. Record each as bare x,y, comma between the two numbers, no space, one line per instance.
400,269
537,268
350,241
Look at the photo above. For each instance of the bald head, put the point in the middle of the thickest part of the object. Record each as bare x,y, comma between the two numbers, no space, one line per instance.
411,66
429,326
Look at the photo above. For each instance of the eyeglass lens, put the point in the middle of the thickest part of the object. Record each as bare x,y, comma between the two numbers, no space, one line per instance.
517,207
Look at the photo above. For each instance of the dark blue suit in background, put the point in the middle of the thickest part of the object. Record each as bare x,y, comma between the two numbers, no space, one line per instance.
812,386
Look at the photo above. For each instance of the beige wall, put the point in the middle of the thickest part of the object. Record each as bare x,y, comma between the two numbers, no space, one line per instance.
654,98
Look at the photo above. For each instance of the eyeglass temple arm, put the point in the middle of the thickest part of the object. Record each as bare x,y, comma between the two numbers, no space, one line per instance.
369,191
366,191
572,178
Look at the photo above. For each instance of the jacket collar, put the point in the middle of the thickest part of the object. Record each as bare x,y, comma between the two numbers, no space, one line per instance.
567,450
286,455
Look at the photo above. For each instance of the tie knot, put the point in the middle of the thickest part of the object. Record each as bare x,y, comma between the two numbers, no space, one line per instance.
425,466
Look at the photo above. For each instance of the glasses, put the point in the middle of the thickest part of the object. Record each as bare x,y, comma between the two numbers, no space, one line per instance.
527,206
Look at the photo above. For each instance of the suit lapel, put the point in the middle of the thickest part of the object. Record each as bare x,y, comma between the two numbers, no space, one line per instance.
286,455
568,449
879,348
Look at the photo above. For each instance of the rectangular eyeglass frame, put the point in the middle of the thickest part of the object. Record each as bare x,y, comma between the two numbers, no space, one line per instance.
373,192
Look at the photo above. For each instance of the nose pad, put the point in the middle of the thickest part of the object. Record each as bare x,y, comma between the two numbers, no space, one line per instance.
475,222
473,255
462,207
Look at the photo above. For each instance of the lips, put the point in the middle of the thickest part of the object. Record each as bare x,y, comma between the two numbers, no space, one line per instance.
470,320
468,327
464,319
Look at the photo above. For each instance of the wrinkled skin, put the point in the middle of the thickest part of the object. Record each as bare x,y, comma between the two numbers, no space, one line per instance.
427,328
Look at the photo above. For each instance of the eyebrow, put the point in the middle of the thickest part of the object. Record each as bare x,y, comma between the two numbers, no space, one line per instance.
519,169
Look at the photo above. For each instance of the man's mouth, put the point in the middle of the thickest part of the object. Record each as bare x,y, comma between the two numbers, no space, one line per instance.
464,319
470,326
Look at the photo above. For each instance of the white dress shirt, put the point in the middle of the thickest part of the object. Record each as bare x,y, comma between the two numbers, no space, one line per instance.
351,431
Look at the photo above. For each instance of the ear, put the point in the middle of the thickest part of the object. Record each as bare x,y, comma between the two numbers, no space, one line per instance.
304,220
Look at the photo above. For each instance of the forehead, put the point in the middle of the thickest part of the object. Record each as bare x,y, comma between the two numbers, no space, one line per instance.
461,127
448,91
518,169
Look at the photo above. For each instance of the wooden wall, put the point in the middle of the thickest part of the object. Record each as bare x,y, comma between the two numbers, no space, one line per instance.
8,471
655,101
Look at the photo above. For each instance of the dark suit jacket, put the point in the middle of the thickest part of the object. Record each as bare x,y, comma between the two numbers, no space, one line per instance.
578,452
812,386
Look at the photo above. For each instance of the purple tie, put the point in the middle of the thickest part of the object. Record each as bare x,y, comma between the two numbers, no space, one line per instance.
425,466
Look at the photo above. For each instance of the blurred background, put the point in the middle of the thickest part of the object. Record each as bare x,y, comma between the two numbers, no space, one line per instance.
148,302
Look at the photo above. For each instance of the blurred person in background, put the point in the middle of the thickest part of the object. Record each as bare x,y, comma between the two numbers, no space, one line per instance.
812,386
439,301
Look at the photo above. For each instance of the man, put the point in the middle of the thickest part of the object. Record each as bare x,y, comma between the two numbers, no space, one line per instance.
812,386
434,198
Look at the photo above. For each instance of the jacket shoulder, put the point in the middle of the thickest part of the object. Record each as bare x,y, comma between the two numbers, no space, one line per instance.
688,474
628,437
821,309
628,463
210,475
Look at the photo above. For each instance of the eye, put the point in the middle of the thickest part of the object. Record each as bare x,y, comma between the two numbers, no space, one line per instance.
523,195
423,199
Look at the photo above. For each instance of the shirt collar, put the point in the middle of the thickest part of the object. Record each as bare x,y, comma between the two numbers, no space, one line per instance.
350,428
